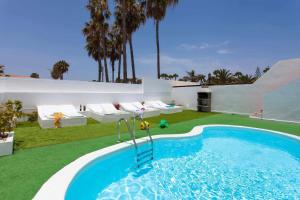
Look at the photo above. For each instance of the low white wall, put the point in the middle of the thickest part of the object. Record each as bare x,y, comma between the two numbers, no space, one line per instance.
183,83
154,89
49,85
226,99
187,96
232,99
283,104
33,92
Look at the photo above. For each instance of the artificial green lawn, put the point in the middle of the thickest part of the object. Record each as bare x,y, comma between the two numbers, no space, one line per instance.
30,135
23,173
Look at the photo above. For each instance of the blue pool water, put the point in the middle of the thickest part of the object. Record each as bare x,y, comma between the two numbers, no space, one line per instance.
222,163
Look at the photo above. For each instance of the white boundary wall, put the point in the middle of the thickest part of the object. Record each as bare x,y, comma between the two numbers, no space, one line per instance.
33,92
154,89
187,96
232,99
277,94
284,103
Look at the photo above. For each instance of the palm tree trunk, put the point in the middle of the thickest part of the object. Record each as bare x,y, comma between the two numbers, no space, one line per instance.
105,53
132,59
99,70
158,51
119,68
99,64
113,70
102,75
124,40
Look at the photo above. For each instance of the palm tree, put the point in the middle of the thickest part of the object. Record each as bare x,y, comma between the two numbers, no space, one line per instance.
134,19
115,49
192,76
266,69
222,76
55,73
246,79
257,73
96,31
201,78
170,76
93,44
157,9
59,68
121,7
175,76
164,76
35,75
238,74
2,69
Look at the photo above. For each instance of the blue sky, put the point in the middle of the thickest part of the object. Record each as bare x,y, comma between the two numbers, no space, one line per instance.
197,34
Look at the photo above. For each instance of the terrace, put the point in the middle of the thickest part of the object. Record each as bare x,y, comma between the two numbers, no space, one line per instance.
131,124
39,153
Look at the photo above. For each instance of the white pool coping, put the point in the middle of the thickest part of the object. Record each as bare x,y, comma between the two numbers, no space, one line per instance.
56,186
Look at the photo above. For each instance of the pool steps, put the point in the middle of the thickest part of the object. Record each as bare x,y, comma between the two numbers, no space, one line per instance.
140,157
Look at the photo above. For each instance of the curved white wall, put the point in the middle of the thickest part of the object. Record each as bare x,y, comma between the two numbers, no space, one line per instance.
232,99
283,104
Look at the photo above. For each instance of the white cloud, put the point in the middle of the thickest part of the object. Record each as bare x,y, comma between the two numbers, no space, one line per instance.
167,61
224,51
193,46
180,65
202,46
146,65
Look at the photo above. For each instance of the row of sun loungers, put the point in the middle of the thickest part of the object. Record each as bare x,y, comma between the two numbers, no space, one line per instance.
71,116
106,112
101,112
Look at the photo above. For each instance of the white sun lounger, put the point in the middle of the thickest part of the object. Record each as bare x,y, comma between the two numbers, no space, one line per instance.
137,108
106,112
165,109
70,116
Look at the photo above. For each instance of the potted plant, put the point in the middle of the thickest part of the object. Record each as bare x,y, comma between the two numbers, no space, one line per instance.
9,113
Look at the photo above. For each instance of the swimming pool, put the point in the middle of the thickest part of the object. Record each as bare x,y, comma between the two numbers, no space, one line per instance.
224,162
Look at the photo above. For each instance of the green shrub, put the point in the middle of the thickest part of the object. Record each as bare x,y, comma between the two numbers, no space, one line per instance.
32,117
9,113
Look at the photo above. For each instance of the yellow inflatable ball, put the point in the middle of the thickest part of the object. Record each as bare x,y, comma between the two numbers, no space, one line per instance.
145,125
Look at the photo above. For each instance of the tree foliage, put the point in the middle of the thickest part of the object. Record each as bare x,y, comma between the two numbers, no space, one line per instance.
9,113
34,75
2,67
219,77
58,69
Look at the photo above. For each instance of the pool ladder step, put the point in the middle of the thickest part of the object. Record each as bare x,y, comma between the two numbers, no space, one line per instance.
141,157
144,157
145,152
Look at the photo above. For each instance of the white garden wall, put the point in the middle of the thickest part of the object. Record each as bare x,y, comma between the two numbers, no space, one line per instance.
277,94
187,96
155,89
232,99
33,92
284,103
